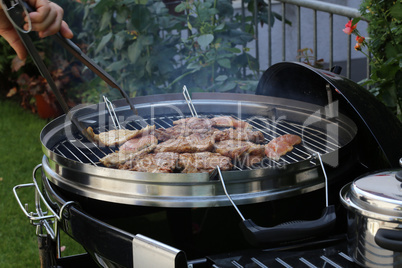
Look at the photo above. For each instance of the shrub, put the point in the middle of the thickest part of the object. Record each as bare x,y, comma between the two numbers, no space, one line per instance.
150,50
385,46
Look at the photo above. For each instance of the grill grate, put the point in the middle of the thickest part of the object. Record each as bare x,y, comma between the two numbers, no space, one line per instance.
313,140
334,256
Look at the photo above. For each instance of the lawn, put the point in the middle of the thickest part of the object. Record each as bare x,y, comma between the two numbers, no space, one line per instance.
20,152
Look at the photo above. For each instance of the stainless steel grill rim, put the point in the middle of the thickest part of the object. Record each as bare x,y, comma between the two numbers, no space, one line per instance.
71,164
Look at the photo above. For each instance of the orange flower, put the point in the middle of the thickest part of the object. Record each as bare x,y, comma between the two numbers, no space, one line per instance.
358,47
360,39
349,28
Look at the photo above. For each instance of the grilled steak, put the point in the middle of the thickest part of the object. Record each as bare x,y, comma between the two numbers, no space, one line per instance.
129,150
138,144
118,158
191,145
238,134
118,136
153,163
281,145
194,122
228,121
203,162
180,130
220,121
194,143
241,152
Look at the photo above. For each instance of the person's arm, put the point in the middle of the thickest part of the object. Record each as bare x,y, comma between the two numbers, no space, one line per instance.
46,20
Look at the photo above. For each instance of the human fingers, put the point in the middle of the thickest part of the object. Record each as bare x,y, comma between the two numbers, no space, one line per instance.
51,24
8,32
65,30
43,16
47,19
41,10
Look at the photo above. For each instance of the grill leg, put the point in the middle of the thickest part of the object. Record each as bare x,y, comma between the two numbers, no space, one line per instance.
47,251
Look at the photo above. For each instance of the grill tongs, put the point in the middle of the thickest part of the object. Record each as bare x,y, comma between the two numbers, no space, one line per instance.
286,232
15,10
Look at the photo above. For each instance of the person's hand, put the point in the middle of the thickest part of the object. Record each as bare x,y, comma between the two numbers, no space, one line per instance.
46,20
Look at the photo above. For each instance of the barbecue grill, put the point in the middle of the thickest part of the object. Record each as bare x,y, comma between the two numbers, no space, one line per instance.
108,210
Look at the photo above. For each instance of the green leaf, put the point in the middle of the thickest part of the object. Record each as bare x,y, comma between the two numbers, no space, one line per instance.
160,8
134,51
119,40
180,7
355,21
204,40
146,40
103,42
141,2
105,21
228,86
122,15
117,66
225,8
194,65
390,50
220,27
221,78
233,49
225,63
149,66
396,10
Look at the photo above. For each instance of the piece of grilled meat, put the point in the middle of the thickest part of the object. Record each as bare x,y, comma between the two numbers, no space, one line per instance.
131,149
243,153
164,134
154,163
203,162
242,134
118,136
194,143
219,121
281,145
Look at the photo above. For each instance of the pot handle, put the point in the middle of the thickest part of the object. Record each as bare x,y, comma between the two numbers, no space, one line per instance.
289,231
389,239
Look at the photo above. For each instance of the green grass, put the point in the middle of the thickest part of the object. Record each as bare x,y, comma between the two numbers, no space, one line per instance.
20,152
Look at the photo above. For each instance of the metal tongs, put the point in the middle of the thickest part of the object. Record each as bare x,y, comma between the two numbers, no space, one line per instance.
15,11
289,231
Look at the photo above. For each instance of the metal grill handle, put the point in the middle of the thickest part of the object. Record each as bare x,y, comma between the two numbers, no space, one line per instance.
40,217
189,102
285,232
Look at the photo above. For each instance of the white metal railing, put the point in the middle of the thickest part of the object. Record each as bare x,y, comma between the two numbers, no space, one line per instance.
315,6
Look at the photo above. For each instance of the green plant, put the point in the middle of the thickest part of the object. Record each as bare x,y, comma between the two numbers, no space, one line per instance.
306,55
384,46
135,41
214,53
150,51
262,12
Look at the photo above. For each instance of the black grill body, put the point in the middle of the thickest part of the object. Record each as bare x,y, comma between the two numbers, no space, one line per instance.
210,236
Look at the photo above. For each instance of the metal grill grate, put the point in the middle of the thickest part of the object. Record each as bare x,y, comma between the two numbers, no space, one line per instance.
313,140
333,256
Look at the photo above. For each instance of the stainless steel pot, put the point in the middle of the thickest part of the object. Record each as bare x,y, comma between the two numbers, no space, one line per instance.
374,204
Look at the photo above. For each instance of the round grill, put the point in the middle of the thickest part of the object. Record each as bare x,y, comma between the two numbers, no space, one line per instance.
72,162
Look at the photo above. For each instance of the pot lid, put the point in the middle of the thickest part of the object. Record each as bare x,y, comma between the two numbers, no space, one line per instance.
380,193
